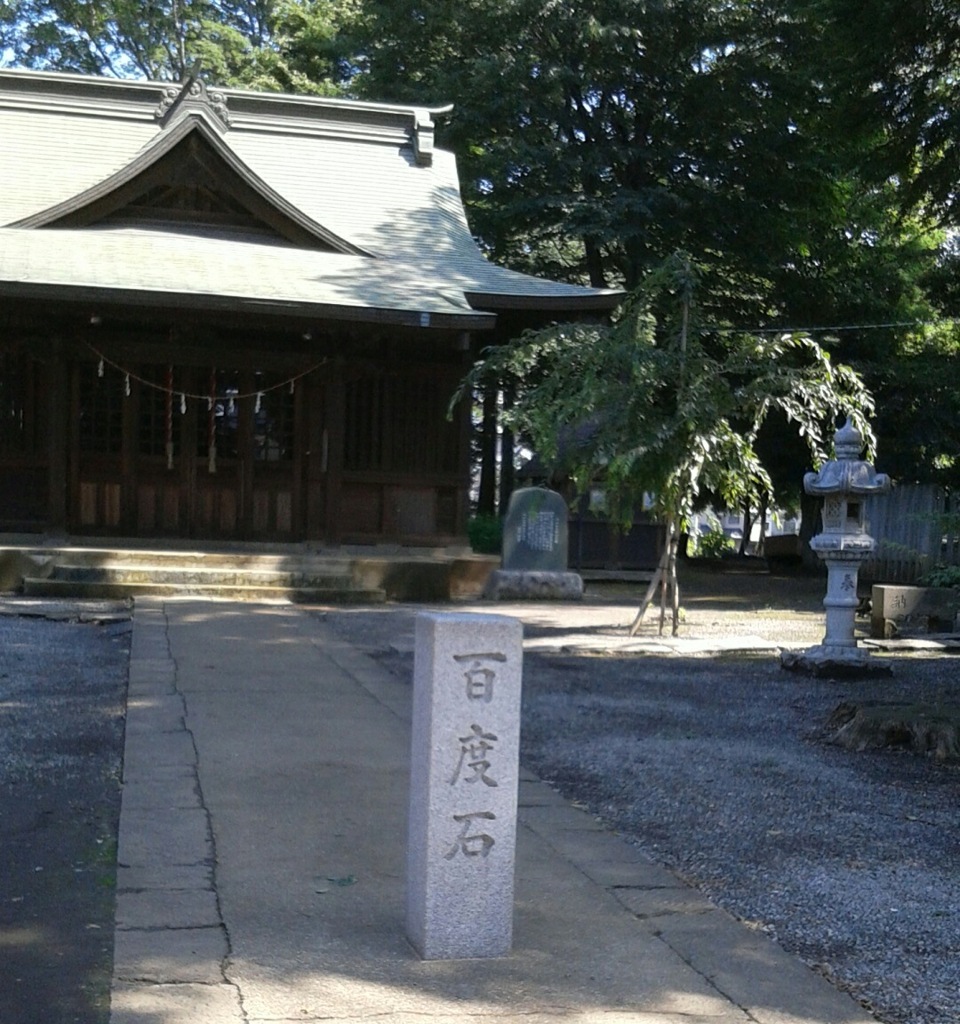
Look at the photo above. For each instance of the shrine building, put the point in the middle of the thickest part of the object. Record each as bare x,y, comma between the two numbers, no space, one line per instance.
239,316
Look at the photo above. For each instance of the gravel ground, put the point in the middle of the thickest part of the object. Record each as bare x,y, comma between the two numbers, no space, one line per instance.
718,767
62,703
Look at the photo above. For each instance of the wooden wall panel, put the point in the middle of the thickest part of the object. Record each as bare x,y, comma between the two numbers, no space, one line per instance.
146,508
361,509
414,510
112,504
88,504
284,516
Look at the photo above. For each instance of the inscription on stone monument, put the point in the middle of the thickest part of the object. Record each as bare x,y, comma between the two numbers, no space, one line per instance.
535,531
463,785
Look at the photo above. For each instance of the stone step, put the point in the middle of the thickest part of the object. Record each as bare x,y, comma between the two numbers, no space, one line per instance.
112,590
115,557
204,575
131,567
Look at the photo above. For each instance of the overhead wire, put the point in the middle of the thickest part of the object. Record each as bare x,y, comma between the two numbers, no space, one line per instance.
833,328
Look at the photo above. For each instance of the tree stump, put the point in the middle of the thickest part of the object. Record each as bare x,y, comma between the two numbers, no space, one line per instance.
925,728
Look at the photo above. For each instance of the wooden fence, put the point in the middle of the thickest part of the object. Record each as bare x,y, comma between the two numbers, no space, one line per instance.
917,527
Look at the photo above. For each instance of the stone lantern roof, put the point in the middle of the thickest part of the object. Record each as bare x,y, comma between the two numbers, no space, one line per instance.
847,473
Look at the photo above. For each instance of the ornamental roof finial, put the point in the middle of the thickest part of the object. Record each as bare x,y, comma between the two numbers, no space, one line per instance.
193,95
848,442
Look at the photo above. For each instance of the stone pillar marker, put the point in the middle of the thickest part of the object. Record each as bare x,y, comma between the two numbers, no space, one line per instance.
465,767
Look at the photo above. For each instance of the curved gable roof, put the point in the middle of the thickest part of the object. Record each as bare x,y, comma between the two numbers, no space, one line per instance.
190,155
288,203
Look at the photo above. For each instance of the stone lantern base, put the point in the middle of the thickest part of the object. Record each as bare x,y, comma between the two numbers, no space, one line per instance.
839,657
835,663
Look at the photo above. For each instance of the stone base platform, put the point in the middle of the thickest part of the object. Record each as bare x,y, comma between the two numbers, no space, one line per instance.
835,663
533,585
118,569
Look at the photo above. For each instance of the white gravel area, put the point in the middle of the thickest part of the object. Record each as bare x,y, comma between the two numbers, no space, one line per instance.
718,766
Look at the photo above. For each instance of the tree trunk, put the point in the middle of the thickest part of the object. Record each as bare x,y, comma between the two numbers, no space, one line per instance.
595,267
811,524
747,530
665,578
655,582
764,514
507,472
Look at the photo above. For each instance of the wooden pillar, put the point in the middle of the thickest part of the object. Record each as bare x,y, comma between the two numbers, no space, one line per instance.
245,461
464,464
298,465
59,408
129,451
333,444
189,459
312,431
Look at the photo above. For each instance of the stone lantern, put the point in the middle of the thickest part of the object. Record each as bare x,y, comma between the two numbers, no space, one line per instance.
843,545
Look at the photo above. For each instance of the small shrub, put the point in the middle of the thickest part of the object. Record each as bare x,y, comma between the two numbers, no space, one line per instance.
485,534
942,576
714,544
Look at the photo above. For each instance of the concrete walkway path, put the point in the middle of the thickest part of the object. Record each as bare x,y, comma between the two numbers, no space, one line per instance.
261,862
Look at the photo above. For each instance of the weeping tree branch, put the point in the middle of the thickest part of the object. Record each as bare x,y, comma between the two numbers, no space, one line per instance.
647,405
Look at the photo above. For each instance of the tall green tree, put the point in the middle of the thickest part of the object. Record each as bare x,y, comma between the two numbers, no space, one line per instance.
662,406
894,72
583,128
597,136
266,44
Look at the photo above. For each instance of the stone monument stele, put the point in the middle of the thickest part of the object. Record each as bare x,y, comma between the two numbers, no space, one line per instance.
464,780
843,545
534,562
535,531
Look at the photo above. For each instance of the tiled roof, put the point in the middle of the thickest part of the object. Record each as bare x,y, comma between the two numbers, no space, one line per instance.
365,175
210,271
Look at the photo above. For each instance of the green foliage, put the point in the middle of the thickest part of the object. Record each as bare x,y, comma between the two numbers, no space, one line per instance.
264,44
594,135
657,405
595,138
894,71
660,405
714,544
485,534
942,576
